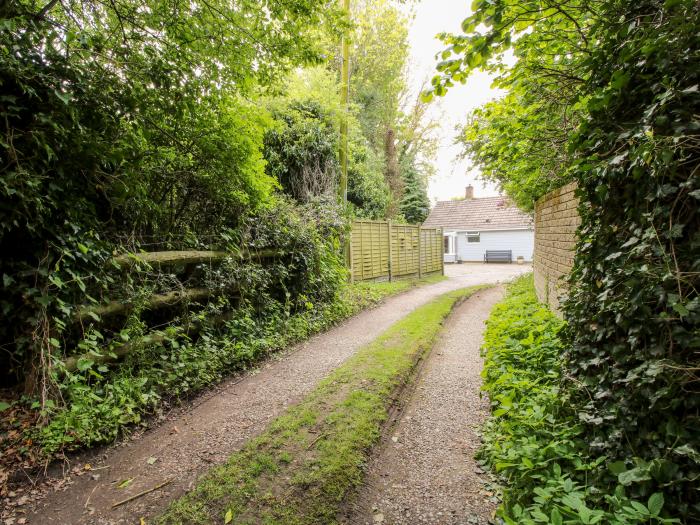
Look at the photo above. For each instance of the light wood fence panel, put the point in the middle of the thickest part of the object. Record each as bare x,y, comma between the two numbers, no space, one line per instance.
382,250
369,250
432,246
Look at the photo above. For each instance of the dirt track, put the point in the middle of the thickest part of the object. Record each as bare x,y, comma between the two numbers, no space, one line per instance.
425,473
215,425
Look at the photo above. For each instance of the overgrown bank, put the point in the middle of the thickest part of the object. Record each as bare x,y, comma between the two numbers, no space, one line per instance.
302,467
135,126
535,440
606,93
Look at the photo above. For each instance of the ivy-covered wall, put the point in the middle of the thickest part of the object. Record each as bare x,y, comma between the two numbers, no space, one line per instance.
556,221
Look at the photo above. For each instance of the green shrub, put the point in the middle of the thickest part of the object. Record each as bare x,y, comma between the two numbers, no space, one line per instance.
256,307
534,439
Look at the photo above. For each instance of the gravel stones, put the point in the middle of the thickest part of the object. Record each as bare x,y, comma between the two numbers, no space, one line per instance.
426,473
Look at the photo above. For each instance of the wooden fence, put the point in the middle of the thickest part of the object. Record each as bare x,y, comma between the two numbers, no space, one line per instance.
379,250
100,313
383,250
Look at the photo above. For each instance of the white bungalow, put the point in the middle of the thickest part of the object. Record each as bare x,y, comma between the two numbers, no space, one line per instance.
473,226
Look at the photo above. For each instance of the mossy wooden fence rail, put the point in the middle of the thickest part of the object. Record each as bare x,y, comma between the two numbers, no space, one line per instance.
100,313
383,250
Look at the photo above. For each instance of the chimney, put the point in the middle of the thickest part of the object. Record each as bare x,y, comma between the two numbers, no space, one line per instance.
469,194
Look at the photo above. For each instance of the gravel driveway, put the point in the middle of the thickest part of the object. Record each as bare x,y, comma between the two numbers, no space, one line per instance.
425,472
185,446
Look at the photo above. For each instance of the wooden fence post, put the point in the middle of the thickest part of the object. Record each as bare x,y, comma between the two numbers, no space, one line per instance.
390,261
442,250
352,268
420,252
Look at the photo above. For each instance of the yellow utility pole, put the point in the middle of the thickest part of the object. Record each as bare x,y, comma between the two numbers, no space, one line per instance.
344,98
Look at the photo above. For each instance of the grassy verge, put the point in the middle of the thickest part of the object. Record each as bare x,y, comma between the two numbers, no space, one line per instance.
534,439
366,294
302,467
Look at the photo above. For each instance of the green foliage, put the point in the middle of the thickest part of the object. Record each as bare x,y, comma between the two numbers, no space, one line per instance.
137,125
310,134
517,146
301,468
611,88
368,192
415,205
634,313
521,140
535,440
378,65
101,401
301,152
397,135
125,124
277,302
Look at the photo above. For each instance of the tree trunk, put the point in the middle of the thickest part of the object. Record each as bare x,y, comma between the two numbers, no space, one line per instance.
392,174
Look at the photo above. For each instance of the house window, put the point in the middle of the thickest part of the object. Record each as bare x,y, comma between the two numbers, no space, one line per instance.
473,237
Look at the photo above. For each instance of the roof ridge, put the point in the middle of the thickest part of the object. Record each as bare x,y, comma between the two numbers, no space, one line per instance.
495,212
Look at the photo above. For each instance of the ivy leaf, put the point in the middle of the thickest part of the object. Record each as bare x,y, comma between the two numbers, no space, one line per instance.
687,450
681,309
634,475
618,159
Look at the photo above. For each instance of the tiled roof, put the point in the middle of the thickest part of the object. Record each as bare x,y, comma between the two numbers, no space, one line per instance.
489,213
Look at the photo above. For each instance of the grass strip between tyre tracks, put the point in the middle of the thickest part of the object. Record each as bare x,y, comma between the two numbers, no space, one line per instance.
304,465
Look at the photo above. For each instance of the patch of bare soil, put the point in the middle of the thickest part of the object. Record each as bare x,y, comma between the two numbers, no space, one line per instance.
425,471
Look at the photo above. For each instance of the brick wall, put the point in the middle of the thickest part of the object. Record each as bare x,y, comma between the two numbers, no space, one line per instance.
556,220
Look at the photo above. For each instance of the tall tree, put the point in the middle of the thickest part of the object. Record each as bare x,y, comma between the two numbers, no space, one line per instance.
415,204
379,58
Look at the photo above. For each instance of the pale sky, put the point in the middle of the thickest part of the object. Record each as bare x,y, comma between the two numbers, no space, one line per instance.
453,174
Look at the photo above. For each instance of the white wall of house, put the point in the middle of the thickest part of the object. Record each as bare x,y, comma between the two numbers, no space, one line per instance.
521,242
